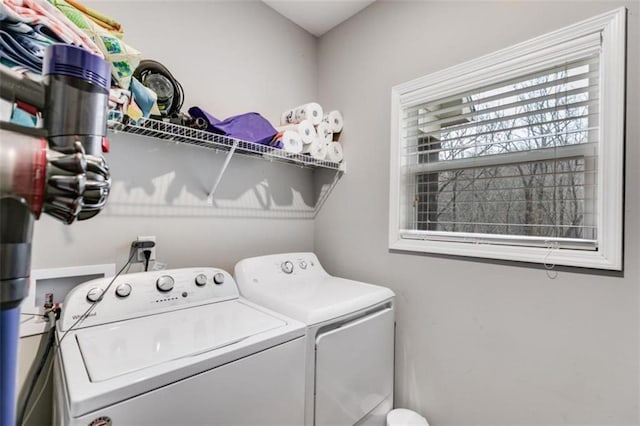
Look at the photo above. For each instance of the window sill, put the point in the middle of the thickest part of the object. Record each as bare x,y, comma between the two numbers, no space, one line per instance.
547,256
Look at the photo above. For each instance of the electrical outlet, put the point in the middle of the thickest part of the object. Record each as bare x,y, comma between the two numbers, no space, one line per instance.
141,242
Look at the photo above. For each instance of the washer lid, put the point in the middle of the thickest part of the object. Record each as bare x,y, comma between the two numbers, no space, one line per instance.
121,348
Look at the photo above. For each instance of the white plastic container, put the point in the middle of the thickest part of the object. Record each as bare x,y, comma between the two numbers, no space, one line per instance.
404,417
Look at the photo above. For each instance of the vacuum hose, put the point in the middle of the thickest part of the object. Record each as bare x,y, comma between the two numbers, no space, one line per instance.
9,327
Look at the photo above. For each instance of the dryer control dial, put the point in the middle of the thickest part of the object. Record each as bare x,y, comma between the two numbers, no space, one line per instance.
303,264
218,278
94,295
123,290
165,283
287,267
201,279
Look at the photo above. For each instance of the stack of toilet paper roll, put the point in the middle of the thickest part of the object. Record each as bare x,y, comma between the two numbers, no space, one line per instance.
334,121
290,140
311,111
319,132
305,129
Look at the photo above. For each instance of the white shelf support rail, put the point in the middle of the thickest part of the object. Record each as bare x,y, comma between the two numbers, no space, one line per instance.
221,172
325,191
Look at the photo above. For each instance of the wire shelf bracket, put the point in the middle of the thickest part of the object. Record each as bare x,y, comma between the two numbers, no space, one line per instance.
325,191
221,173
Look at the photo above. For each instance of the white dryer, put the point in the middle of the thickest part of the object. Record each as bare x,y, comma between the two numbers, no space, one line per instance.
350,335
176,347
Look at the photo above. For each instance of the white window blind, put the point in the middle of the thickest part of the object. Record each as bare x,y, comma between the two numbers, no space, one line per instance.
511,150
517,158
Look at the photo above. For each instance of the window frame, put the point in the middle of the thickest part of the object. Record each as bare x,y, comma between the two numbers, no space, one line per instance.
516,60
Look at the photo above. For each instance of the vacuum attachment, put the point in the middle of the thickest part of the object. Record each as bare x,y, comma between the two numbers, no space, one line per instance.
168,90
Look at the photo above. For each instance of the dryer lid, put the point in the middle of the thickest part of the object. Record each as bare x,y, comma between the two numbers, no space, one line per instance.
116,349
317,299
296,285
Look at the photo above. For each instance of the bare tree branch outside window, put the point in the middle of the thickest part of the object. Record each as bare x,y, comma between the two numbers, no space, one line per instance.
542,197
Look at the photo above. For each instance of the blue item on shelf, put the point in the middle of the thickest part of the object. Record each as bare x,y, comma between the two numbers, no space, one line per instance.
197,112
251,126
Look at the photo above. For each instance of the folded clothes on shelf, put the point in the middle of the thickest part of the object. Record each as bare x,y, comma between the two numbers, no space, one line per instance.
17,50
104,21
47,25
106,33
24,35
29,26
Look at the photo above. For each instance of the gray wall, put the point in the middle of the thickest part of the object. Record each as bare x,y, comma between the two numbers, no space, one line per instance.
478,342
231,57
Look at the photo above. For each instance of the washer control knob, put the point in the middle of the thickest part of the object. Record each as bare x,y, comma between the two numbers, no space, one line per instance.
165,283
201,279
303,264
287,267
218,278
123,290
94,295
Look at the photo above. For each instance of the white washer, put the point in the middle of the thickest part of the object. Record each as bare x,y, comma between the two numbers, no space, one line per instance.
176,347
350,335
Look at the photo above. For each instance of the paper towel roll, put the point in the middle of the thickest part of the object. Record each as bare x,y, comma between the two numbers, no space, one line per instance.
287,117
334,120
334,152
291,141
304,128
306,149
311,111
317,149
324,132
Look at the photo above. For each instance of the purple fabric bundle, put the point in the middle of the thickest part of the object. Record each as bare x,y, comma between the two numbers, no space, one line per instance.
251,126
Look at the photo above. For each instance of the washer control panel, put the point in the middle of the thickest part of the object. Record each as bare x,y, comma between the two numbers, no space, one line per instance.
146,293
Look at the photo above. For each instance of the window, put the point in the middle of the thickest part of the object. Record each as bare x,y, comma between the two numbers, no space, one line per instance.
517,155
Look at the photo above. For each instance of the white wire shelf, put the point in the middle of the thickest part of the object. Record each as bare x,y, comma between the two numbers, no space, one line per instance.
158,129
